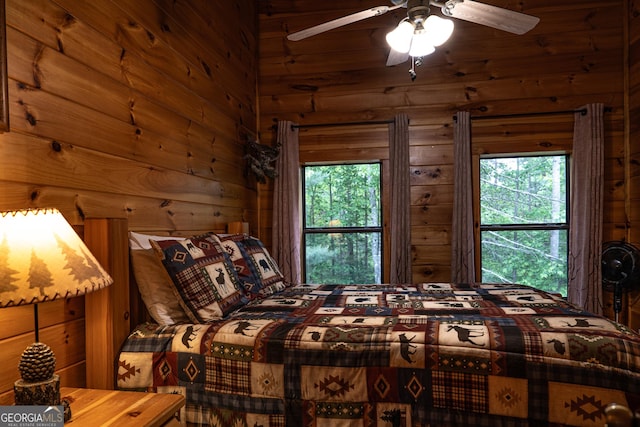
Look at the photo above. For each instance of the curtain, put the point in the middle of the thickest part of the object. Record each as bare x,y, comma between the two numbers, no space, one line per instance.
286,204
400,212
462,244
586,201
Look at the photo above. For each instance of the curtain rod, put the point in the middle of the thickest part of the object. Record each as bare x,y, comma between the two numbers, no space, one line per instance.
316,125
582,111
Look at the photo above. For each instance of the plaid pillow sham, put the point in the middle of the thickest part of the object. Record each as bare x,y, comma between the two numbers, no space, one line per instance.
204,278
256,268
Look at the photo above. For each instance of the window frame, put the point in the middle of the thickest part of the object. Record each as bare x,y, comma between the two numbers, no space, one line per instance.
479,227
328,230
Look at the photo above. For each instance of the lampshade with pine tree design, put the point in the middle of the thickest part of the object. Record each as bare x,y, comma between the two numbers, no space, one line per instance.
42,259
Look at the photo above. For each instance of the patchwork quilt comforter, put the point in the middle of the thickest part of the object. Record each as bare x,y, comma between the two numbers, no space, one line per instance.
433,354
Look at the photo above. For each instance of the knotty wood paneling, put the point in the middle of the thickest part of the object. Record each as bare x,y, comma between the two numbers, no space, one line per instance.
133,109
631,156
573,57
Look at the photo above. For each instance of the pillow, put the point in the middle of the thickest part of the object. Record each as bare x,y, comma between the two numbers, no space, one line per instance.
156,289
204,278
256,268
139,241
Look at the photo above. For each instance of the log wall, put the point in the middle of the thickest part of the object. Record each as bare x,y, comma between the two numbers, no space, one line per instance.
632,144
133,109
575,55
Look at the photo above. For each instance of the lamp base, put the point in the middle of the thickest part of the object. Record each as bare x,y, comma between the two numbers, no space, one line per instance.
45,392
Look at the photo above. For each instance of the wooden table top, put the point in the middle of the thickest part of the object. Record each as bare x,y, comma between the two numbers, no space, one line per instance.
92,407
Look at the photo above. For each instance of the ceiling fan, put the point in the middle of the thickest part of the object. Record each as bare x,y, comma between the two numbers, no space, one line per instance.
418,34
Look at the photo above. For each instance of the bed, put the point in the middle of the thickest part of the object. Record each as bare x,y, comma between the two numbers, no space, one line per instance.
248,349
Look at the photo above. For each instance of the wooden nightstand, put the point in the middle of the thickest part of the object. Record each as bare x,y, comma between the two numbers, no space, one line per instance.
95,408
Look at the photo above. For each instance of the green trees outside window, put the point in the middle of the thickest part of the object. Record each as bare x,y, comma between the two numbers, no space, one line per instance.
342,223
523,221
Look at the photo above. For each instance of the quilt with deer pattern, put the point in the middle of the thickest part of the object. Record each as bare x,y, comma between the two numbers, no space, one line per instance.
432,354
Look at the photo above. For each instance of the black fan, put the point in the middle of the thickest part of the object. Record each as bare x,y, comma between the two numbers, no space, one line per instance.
620,270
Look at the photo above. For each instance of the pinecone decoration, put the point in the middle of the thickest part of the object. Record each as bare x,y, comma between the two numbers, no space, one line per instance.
37,363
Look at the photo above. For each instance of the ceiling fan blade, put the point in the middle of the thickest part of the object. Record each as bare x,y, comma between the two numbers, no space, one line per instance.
396,57
491,16
330,25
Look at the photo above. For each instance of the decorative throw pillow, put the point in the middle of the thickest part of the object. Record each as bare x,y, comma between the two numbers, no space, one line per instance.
256,268
204,278
155,287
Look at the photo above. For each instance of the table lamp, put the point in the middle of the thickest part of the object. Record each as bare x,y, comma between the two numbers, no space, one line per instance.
42,259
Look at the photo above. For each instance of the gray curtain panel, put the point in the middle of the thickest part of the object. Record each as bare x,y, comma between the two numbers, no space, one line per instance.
400,212
586,205
286,204
462,244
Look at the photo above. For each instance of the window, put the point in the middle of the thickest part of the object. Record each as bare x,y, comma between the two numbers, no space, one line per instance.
342,223
523,221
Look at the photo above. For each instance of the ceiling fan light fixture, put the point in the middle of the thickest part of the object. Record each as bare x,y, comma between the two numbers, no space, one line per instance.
421,43
439,29
400,37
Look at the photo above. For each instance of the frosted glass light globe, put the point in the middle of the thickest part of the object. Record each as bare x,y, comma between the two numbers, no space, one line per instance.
400,38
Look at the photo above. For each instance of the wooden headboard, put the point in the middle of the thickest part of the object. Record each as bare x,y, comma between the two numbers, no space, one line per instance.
112,312
108,316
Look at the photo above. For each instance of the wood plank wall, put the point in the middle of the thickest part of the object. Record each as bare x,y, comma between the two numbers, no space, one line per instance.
574,56
632,143
132,109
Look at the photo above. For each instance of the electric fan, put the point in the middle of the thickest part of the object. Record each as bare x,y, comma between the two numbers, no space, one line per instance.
620,270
